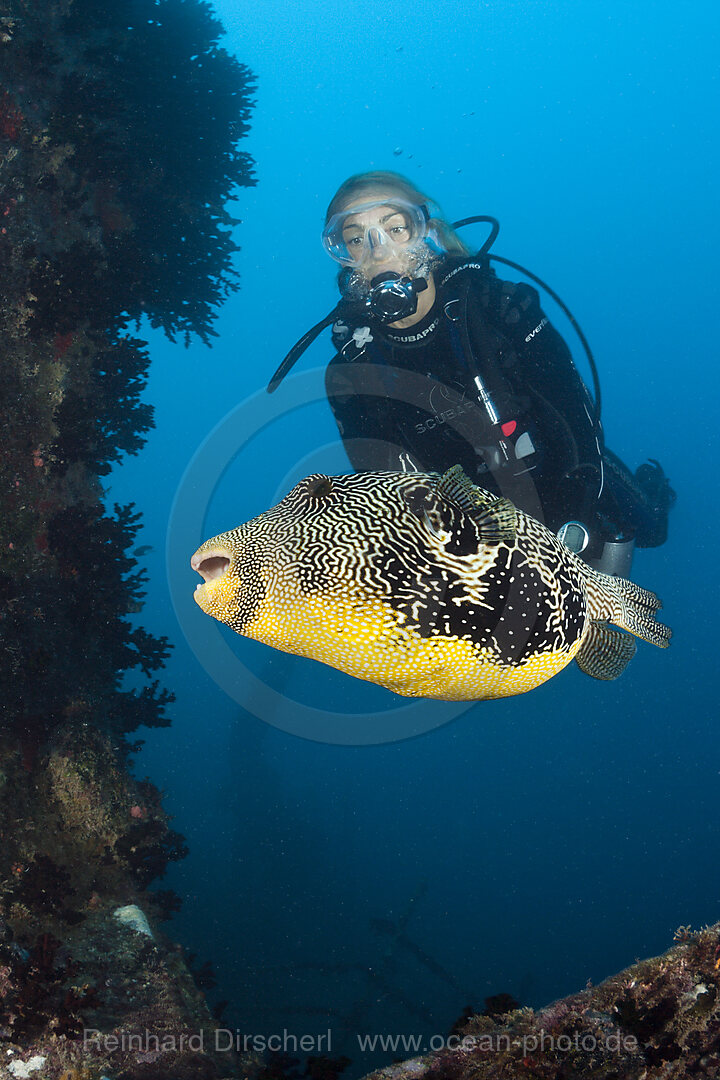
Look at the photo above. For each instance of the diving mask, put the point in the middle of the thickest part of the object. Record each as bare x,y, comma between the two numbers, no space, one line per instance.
375,231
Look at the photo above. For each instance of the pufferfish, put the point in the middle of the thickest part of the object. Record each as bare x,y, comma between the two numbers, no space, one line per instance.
424,584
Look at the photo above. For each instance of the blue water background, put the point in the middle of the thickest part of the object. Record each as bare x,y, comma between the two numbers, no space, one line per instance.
535,843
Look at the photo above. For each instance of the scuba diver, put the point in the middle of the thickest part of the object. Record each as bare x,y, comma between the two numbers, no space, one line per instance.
440,362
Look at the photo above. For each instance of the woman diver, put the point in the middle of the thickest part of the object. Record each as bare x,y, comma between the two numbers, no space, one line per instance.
440,362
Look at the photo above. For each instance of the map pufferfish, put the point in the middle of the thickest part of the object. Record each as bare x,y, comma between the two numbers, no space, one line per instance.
424,584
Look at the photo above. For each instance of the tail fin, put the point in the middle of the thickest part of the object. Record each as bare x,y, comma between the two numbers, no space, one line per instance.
626,604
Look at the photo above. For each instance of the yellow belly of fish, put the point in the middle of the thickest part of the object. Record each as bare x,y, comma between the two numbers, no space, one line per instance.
364,639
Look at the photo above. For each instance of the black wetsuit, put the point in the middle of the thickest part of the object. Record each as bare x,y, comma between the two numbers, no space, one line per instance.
485,381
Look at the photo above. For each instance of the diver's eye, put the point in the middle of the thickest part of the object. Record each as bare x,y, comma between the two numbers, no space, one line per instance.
319,487
354,241
397,226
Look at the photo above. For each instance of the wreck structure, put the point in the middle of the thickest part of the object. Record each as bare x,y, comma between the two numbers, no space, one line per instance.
657,1020
119,132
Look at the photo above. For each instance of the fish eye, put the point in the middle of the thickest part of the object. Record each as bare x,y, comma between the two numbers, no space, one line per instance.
319,487
417,500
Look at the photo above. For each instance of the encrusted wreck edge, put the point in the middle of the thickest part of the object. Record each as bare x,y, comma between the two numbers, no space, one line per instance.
658,1018
144,1015
118,154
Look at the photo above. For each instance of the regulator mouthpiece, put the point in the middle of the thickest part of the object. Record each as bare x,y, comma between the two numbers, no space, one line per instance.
393,297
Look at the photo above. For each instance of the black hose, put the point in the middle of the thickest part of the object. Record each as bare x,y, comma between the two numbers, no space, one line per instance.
495,229
299,348
575,325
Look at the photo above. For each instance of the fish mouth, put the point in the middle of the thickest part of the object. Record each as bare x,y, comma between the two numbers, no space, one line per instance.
211,563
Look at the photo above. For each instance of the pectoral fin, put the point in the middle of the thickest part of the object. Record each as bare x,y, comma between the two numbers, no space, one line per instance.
605,652
494,518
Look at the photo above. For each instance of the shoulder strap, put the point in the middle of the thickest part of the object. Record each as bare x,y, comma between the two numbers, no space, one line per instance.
456,275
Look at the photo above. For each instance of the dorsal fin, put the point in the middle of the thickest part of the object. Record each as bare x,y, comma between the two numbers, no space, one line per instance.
494,518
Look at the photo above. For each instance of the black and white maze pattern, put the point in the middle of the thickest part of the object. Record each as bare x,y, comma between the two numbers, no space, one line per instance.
423,583
495,599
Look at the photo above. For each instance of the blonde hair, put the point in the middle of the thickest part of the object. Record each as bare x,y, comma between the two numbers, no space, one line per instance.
382,183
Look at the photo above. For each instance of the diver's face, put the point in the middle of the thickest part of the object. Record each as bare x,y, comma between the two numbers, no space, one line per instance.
380,239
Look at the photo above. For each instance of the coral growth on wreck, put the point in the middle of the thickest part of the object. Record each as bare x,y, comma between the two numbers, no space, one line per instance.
119,130
657,1020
